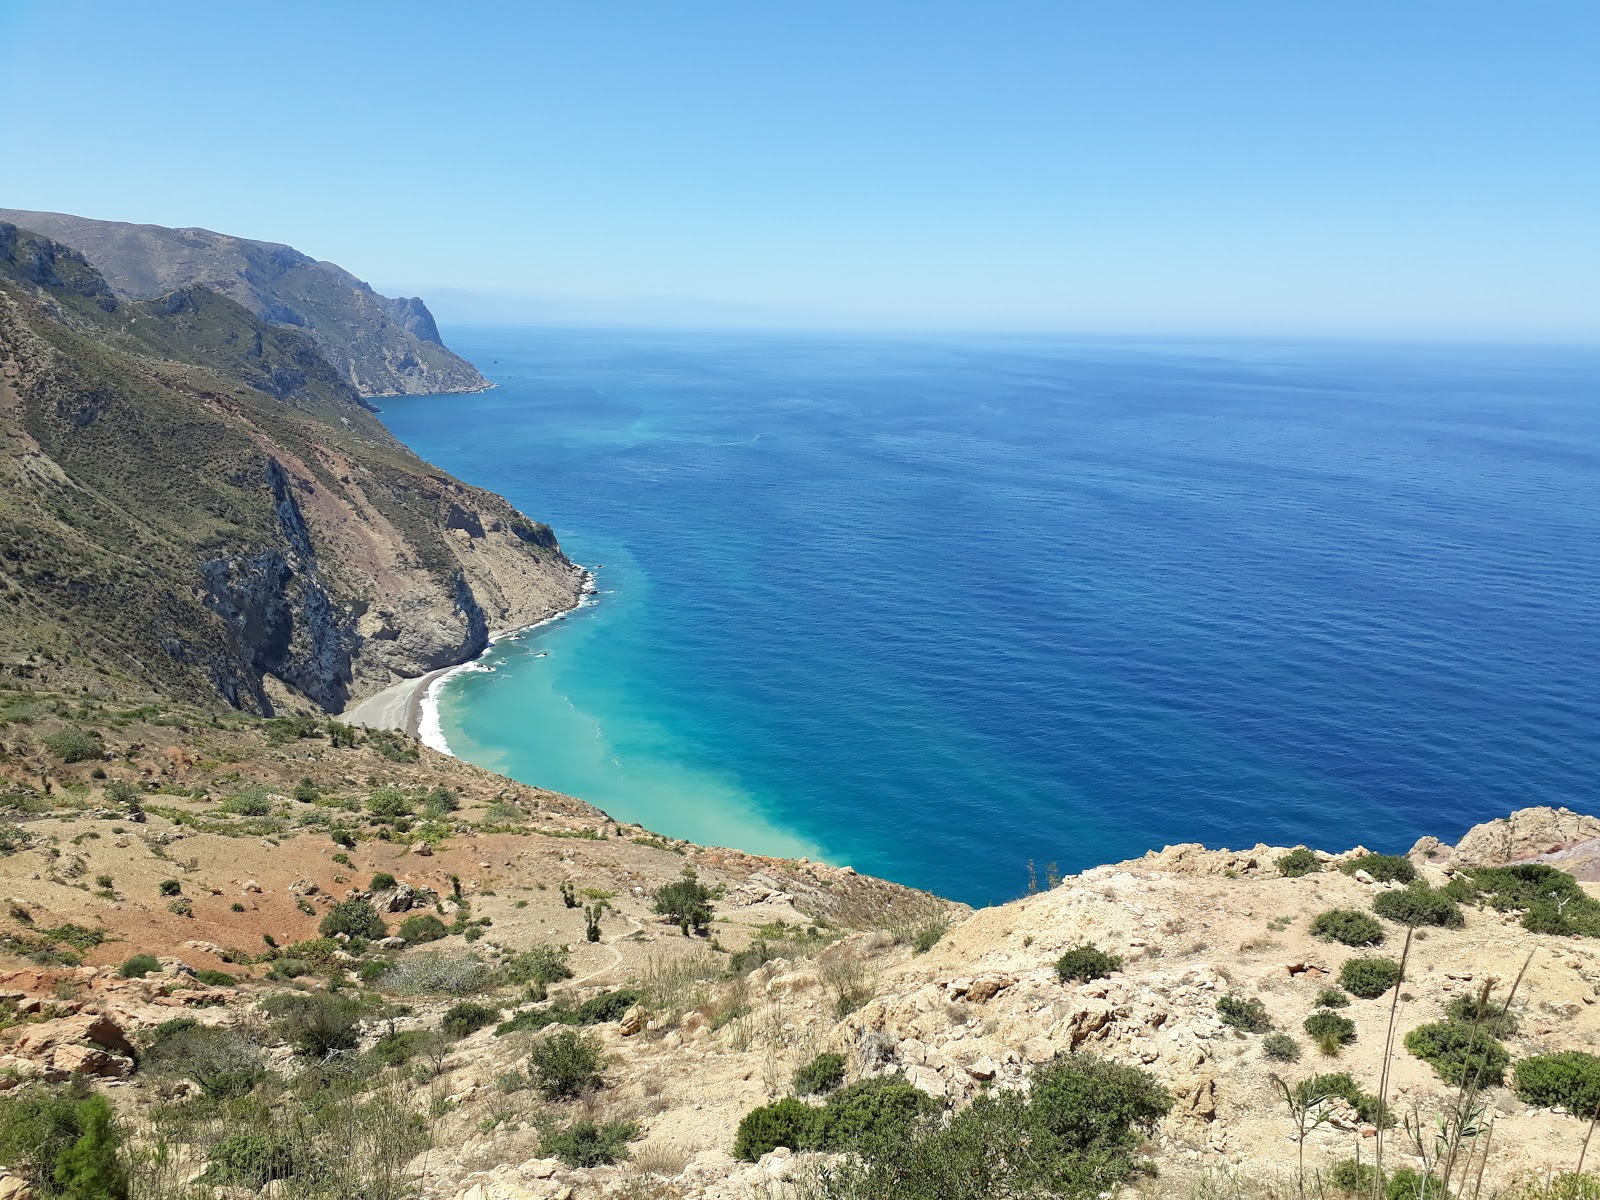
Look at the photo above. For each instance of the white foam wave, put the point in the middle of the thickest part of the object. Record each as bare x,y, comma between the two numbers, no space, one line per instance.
429,728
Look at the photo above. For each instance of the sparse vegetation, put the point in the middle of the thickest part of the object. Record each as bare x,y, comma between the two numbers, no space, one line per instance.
687,902
565,1066
1248,1016
1369,978
139,966
1086,962
1385,868
1552,900
1280,1047
822,1074
1419,904
1298,862
1330,1031
1347,925
1461,1054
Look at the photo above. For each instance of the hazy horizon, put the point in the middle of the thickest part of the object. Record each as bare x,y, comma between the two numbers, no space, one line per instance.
1374,171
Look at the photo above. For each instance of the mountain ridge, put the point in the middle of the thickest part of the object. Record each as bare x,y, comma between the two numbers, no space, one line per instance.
381,346
195,500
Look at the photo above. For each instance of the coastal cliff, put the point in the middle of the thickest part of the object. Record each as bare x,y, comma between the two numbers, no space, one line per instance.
195,501
379,345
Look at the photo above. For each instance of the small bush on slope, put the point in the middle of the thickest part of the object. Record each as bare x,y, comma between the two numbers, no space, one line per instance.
1248,1016
1298,862
1570,1078
1460,1054
822,1074
1086,962
1347,925
1369,978
1385,868
587,1144
1074,1134
1330,1031
565,1066
1419,904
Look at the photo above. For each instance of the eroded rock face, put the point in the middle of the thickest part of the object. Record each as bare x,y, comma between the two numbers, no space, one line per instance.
1558,836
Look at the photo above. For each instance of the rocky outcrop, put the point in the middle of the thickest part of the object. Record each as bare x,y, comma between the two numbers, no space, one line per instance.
380,346
1527,835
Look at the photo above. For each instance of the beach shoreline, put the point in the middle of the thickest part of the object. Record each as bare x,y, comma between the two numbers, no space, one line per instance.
411,705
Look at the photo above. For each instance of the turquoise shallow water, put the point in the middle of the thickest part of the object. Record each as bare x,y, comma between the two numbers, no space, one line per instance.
938,607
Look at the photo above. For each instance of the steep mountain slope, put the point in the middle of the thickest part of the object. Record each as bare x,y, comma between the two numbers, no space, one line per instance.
194,501
380,346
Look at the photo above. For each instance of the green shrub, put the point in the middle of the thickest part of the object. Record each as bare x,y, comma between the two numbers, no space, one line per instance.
822,1074
1553,900
252,802
1419,904
587,1144
1569,1078
288,968
1298,862
425,927
139,966
63,1145
467,1017
1330,1031
1086,962
400,1047
1369,978
1081,1123
251,1159
1347,925
789,1122
565,1065
1355,1178
353,918
929,934
307,792
1476,1009
315,1024
883,1106
542,964
1280,1047
121,791
1332,998
388,804
382,882
223,1062
1385,868
212,977
1249,1016
1460,1054
687,902
1341,1085
169,887
73,745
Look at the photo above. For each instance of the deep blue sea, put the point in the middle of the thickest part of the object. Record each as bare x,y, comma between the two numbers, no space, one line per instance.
936,607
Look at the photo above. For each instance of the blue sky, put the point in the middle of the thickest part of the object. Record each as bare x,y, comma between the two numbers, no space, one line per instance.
1368,168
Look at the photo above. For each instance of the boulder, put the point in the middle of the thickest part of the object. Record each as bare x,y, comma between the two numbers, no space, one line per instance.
38,1040
90,1060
